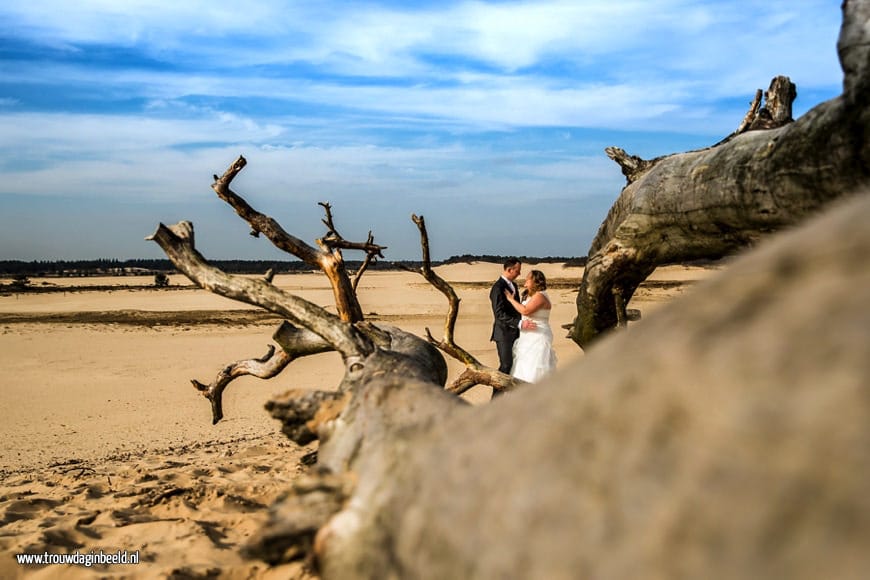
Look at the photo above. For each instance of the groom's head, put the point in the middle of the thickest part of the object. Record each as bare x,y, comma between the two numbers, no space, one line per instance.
512,267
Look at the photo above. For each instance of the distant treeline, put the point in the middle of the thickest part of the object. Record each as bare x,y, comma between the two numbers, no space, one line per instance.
136,267
468,258
145,267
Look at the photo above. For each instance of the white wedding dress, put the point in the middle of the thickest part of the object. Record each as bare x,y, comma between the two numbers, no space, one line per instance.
534,356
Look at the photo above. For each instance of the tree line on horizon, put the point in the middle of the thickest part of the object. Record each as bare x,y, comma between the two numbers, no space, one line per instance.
150,267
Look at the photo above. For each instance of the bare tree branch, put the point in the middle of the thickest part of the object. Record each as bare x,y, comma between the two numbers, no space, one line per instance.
369,259
775,113
265,367
330,262
295,343
261,223
335,241
178,243
476,371
751,114
482,375
632,166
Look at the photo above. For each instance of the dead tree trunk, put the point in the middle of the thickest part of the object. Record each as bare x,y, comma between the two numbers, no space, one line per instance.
733,445
308,329
394,381
358,418
771,173
738,458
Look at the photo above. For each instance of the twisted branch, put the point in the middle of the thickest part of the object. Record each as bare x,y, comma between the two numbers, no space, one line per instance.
294,342
178,243
476,372
335,242
265,367
329,260
259,222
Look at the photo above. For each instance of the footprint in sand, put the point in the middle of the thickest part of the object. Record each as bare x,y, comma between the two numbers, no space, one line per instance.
25,509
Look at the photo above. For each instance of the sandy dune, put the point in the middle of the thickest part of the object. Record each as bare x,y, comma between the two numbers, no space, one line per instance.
108,447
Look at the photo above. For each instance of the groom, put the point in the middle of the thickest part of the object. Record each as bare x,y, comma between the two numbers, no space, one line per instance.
506,327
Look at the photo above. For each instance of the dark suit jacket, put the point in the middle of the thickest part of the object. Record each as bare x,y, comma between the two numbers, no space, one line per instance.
507,319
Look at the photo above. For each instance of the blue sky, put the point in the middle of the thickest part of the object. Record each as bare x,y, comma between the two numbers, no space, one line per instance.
489,118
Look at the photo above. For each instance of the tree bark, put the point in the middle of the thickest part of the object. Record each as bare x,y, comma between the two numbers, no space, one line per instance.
328,259
733,446
713,202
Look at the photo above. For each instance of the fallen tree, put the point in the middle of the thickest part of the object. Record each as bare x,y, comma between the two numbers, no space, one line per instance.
732,445
770,173
309,329
357,425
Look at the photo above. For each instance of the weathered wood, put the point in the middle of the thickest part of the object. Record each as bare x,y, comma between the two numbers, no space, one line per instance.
733,445
360,453
369,354
294,343
303,412
714,202
295,520
328,259
751,114
775,113
778,105
632,166
177,242
476,373
264,367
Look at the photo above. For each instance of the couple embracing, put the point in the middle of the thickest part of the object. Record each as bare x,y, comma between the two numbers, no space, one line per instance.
521,329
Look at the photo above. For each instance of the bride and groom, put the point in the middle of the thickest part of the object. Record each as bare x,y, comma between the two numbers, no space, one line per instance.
521,330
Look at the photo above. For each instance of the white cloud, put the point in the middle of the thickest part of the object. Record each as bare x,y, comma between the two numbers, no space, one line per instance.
369,40
324,86
96,156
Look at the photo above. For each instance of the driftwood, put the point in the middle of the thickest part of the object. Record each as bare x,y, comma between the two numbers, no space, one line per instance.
341,419
476,373
769,174
310,329
724,437
733,446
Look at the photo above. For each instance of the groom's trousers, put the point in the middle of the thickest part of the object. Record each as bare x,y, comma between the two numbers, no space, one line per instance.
505,348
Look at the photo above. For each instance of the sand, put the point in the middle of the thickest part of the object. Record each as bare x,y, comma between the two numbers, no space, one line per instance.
107,446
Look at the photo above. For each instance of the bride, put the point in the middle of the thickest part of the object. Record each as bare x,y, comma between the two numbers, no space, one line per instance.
534,356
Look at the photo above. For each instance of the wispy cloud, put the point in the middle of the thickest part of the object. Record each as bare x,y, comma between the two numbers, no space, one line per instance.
429,100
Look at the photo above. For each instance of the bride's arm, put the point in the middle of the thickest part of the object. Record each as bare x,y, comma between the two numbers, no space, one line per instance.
534,304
